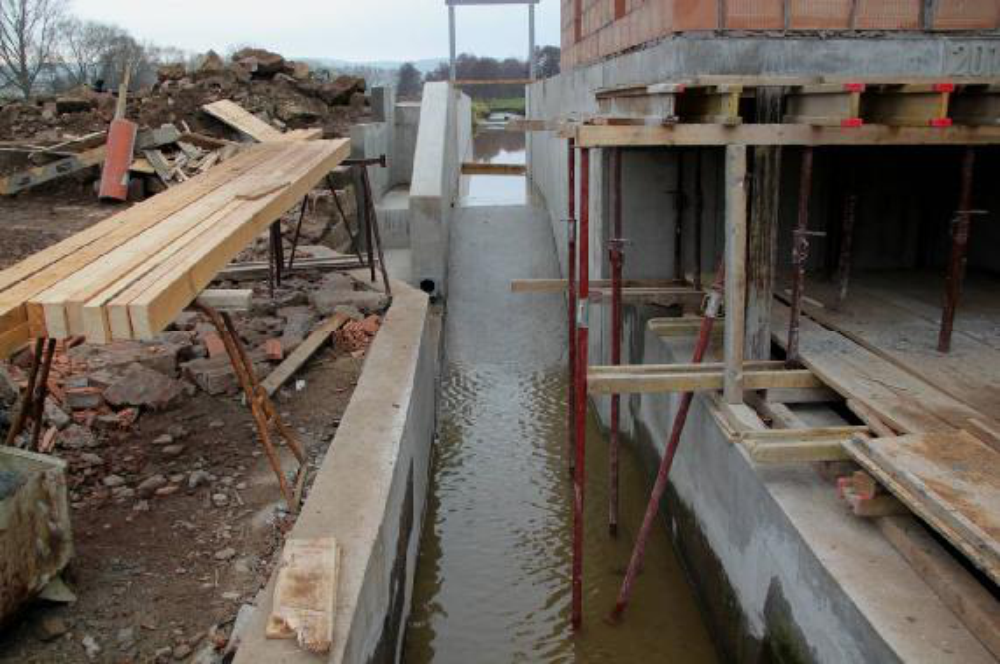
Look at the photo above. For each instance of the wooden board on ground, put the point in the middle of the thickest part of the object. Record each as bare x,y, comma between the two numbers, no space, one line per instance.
950,480
243,121
305,594
33,177
301,355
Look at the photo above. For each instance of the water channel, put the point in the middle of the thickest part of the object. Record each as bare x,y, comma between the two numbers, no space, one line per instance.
493,580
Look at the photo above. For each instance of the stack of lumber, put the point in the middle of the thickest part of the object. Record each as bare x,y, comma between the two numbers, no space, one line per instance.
129,276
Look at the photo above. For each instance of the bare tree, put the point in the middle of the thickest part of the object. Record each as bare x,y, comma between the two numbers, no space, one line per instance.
85,45
29,35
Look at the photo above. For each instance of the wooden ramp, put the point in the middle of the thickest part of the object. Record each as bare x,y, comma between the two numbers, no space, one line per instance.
952,481
129,276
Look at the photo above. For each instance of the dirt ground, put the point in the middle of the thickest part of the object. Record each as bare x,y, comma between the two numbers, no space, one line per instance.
163,578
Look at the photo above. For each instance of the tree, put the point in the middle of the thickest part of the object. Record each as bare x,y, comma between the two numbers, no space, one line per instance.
547,61
29,39
409,80
86,47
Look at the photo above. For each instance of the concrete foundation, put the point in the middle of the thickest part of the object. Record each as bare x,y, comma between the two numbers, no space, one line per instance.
370,492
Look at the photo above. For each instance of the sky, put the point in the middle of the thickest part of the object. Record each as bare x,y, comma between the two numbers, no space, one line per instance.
355,30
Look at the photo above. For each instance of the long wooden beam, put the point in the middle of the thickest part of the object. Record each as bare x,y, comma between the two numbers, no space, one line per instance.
560,285
604,136
473,168
625,381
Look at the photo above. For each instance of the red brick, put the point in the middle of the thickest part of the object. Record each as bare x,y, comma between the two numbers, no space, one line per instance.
755,15
888,15
820,14
214,345
274,350
967,15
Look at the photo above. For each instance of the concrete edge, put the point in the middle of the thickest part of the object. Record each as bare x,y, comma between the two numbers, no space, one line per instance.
369,493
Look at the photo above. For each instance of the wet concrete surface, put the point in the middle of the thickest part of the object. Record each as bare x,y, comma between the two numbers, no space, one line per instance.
493,581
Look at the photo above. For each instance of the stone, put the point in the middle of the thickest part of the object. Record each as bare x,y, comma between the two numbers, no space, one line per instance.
326,301
212,64
144,388
91,647
186,321
220,499
261,63
141,506
165,491
300,71
299,322
171,72
74,104
76,437
173,451
214,376
349,311
151,485
198,478
9,390
91,459
55,416
182,652
178,432
165,439
84,398
50,628
225,554
113,481
339,91
126,637
207,655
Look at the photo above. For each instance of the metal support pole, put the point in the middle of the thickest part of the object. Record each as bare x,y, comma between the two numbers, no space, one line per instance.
531,42
712,310
847,242
959,246
800,255
298,232
616,257
583,246
374,233
452,42
573,303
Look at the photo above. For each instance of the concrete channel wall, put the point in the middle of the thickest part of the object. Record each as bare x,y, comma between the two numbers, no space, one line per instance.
444,141
782,569
369,493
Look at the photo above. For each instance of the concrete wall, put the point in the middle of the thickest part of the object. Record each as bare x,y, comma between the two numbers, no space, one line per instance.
444,141
370,493
391,133
778,562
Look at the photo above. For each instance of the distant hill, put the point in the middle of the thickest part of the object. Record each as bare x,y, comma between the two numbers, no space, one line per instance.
424,66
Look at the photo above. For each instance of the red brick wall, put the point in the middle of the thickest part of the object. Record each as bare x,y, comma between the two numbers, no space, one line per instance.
604,30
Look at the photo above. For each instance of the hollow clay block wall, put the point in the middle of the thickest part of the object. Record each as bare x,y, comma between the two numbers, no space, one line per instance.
593,29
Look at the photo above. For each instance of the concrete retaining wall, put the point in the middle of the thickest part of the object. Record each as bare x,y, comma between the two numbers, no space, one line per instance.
370,492
444,141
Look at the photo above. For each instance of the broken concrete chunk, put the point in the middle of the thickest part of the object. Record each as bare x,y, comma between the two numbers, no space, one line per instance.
76,437
305,595
144,388
150,486
326,301
55,416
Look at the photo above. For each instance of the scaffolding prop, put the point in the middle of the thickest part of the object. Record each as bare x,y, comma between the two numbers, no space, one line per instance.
800,255
713,308
616,258
572,303
959,248
580,476
32,403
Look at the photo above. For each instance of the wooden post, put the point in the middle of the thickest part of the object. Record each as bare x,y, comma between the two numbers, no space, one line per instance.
736,278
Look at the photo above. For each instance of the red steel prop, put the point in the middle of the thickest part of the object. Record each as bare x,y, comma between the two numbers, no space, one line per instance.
712,309
959,247
572,305
583,266
616,257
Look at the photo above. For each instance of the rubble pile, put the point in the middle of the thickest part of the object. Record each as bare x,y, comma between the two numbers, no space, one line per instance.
98,394
283,93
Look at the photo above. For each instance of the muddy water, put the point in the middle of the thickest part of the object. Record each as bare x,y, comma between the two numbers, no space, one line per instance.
493,580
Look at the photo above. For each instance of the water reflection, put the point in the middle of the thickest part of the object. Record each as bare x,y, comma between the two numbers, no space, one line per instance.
497,146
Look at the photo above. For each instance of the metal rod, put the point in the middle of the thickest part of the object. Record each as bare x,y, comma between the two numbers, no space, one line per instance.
573,303
579,485
42,393
380,161
847,242
959,247
376,234
699,213
800,255
298,233
680,204
712,310
26,399
616,257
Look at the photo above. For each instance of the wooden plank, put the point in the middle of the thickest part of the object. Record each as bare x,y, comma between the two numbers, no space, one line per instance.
812,395
901,400
924,105
686,327
976,106
830,105
471,168
659,296
625,382
41,271
259,270
590,136
301,355
972,603
305,594
560,285
242,120
663,369
810,451
736,276
186,276
33,177
950,480
63,304
13,339
715,104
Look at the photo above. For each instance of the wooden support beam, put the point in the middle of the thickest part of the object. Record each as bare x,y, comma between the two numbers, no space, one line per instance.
914,105
647,382
560,285
717,104
977,106
33,177
471,168
589,136
301,355
686,327
736,276
240,119
825,105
